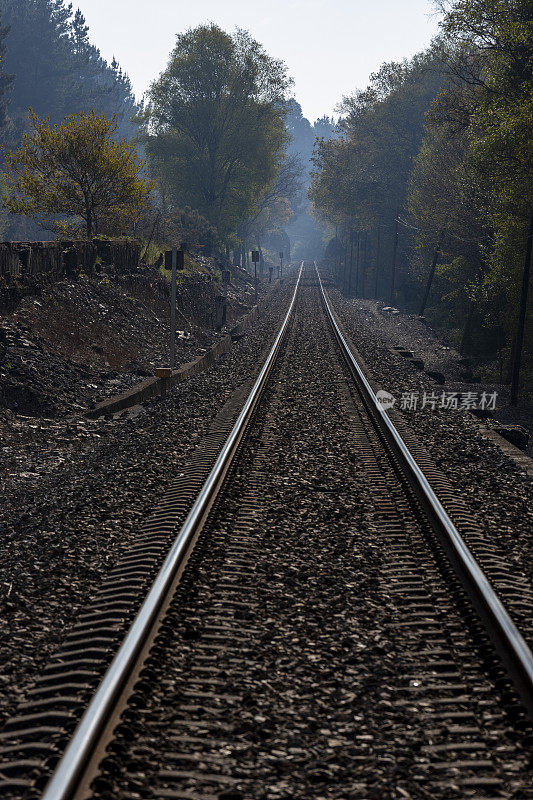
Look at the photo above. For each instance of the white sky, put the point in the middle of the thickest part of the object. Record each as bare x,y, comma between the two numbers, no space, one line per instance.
330,46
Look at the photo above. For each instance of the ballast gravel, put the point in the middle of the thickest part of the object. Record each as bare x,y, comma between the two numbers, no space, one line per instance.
66,520
297,660
495,488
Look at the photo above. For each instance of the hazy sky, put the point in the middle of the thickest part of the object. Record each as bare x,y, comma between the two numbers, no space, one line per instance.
329,46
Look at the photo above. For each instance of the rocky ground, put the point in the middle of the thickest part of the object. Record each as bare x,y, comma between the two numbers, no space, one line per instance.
75,496
454,372
72,491
495,488
297,660
79,342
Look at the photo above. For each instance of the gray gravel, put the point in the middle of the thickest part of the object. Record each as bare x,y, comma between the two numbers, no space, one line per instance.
307,685
69,514
495,489
409,332
284,669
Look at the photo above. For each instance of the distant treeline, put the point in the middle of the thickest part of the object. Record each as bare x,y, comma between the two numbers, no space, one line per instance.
214,130
47,63
54,68
305,233
430,184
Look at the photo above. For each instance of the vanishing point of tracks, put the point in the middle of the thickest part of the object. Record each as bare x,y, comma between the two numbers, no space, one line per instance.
318,629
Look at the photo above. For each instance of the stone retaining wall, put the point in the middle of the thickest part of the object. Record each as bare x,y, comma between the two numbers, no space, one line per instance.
25,266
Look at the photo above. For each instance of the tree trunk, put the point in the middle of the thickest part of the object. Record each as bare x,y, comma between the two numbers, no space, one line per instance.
345,256
394,254
343,274
351,251
363,263
151,235
351,271
509,366
357,256
378,248
468,325
515,379
261,258
431,274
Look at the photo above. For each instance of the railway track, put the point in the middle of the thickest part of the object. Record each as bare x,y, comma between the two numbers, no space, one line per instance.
317,629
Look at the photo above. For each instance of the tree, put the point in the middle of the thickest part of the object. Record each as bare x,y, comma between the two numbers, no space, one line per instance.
474,174
76,170
5,84
273,210
500,158
216,133
444,208
57,70
360,180
5,79
37,53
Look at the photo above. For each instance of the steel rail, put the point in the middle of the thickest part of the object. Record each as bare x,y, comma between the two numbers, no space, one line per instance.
509,643
70,769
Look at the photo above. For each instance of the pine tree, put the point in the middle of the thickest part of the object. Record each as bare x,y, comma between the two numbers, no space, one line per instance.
37,54
57,69
80,34
6,80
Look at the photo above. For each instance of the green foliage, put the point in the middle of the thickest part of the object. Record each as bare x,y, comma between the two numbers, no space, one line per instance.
216,133
465,169
57,70
361,177
77,170
187,225
151,251
359,182
474,173
273,209
174,228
